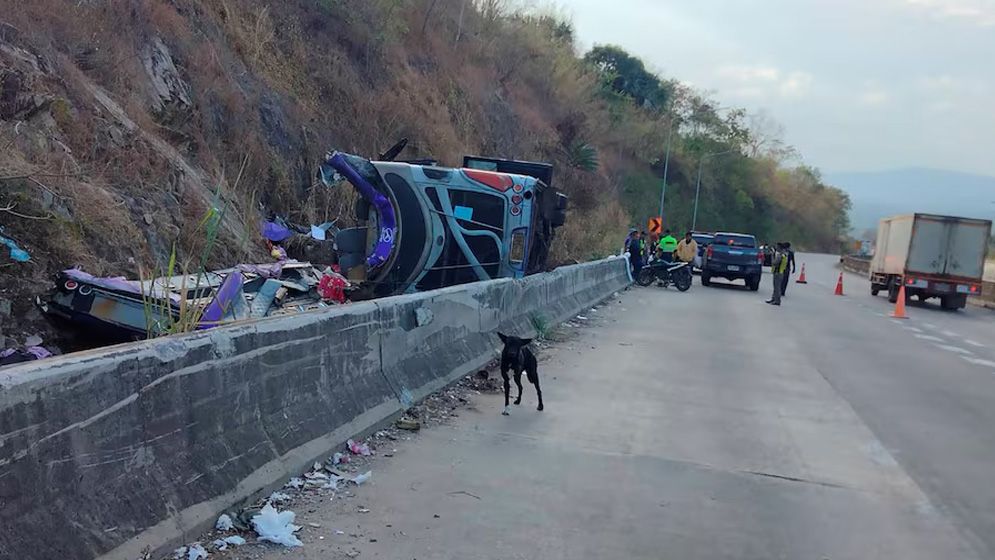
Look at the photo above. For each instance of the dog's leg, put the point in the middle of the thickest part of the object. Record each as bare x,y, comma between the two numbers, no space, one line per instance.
518,381
507,391
534,379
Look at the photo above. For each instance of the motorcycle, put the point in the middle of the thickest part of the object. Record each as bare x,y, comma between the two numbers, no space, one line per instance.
676,273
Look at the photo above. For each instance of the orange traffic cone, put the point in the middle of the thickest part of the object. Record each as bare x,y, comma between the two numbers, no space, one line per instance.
900,305
801,278
839,285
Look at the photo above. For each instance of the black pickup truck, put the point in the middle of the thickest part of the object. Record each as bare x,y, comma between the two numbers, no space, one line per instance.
733,256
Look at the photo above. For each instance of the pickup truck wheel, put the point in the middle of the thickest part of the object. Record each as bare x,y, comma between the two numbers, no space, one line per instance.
753,284
706,278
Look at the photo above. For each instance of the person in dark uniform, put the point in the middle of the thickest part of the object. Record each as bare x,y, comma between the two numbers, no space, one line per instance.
791,264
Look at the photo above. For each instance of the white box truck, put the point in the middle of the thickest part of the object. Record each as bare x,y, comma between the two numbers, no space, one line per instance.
932,256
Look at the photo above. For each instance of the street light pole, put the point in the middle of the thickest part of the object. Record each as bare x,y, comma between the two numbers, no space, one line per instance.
666,168
697,188
697,193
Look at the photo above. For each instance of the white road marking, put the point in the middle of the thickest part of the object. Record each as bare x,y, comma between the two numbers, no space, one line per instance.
951,334
955,349
973,343
930,326
929,337
913,329
980,362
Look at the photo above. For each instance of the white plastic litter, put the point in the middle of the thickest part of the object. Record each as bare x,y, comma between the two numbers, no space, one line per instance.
332,484
276,526
317,467
222,544
361,478
337,458
196,552
279,497
180,553
295,482
224,523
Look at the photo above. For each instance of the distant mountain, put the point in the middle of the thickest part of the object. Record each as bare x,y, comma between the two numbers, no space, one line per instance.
901,191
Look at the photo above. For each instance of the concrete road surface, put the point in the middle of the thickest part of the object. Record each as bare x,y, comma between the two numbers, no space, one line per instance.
706,425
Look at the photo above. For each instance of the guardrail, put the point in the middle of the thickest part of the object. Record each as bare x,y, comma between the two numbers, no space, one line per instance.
105,453
862,265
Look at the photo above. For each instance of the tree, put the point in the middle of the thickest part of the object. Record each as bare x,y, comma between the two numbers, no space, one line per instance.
627,75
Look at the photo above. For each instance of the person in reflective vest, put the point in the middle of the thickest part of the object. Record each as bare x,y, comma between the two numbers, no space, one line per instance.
778,267
667,246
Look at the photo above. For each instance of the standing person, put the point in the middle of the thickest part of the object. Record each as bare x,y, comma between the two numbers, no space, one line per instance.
644,238
636,253
778,266
625,244
687,249
667,246
789,252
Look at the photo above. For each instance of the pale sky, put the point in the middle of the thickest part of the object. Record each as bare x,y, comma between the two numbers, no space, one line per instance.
860,85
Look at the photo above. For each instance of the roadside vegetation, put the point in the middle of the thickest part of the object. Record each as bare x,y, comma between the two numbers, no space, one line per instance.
120,119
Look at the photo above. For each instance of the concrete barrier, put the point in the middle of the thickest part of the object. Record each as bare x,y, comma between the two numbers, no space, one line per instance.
859,265
106,453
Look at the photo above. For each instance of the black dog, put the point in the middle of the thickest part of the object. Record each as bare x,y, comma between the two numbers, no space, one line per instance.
517,357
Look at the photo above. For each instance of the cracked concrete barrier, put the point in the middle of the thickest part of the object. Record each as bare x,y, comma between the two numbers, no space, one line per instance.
106,453
431,339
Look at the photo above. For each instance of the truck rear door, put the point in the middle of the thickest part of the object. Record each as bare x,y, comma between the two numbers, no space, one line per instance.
968,243
928,250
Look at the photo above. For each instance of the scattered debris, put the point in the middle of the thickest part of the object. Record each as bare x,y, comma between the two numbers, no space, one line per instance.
360,479
408,425
224,523
359,448
295,482
132,308
196,552
337,458
16,253
314,525
279,497
223,544
464,493
10,356
276,526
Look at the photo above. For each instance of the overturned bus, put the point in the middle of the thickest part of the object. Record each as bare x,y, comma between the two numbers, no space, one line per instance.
424,227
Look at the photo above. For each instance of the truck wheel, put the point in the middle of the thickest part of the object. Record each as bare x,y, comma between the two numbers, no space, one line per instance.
893,288
706,278
875,289
953,303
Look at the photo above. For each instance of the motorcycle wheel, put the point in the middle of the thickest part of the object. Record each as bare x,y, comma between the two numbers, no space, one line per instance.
645,277
683,280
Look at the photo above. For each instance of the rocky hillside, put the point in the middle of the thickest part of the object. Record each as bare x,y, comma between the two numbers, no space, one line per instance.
124,124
